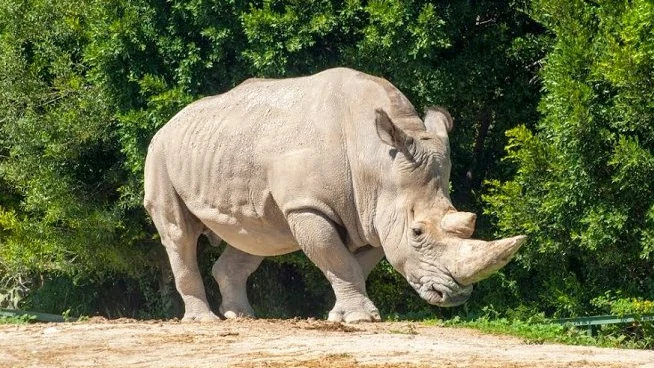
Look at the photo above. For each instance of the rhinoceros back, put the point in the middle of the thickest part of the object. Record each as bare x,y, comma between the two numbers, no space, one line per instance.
243,160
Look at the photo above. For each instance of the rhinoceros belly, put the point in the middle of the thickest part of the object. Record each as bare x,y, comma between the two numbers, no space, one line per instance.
244,214
254,239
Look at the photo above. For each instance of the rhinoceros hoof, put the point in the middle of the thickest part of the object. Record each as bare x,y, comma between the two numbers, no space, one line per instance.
200,317
370,314
235,312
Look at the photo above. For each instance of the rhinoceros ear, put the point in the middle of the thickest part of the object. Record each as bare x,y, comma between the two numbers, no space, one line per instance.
438,120
391,134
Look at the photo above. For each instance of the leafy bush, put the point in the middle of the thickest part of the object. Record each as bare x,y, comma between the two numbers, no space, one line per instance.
583,189
19,320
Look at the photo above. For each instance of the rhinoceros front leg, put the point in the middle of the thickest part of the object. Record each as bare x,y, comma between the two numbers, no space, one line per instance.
231,272
368,258
319,239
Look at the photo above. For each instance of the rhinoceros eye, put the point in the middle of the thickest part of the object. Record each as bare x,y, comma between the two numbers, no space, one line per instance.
417,231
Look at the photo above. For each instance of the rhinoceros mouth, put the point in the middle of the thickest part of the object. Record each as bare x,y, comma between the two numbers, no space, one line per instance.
443,293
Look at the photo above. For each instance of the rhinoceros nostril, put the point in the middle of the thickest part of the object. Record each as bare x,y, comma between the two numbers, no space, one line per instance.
437,294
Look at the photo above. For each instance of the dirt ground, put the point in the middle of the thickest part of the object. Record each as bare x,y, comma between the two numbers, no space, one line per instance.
286,343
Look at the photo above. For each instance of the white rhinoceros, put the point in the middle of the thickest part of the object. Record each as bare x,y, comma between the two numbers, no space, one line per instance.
338,165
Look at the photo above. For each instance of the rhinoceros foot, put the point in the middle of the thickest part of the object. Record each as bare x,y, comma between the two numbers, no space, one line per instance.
200,317
231,272
232,311
364,311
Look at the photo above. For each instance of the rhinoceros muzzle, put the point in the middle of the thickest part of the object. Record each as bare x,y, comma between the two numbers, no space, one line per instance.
444,291
446,280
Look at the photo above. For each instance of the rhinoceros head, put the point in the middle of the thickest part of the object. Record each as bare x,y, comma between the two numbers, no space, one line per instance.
424,237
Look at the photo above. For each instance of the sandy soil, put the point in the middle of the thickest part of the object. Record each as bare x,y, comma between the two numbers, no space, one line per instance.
286,343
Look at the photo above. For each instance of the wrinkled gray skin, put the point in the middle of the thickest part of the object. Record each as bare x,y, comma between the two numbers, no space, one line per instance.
338,165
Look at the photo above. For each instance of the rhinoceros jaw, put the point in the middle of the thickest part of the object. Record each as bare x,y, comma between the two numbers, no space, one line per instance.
443,292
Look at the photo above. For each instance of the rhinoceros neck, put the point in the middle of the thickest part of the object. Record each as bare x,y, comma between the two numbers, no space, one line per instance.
371,160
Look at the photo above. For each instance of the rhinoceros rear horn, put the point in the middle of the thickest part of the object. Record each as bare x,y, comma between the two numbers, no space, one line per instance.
477,259
461,224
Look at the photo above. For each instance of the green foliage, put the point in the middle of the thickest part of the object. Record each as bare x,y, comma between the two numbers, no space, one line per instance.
535,328
18,320
59,158
13,289
583,190
616,304
640,332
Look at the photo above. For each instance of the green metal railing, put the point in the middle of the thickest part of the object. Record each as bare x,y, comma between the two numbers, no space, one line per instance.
592,323
41,317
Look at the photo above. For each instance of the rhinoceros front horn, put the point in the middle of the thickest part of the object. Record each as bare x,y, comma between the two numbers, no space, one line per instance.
477,259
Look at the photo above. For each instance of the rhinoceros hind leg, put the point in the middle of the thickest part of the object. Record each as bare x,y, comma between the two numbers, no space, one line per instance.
179,231
320,241
231,272
181,249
